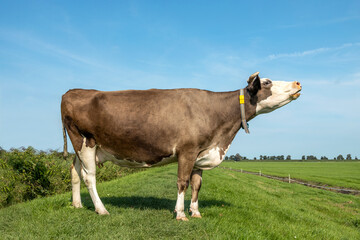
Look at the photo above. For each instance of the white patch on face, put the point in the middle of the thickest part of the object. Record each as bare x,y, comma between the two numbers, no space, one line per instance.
211,159
281,95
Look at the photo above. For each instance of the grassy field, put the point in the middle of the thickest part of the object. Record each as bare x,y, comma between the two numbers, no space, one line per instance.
338,174
233,205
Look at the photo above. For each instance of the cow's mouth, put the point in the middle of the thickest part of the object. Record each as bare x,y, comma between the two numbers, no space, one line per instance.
295,95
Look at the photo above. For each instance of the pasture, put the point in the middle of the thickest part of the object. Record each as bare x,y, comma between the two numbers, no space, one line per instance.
233,206
337,174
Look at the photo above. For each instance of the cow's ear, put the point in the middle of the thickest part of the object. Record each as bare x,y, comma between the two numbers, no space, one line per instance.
254,84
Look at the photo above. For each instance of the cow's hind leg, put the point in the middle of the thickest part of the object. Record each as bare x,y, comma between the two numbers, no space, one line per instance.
195,188
185,166
75,171
87,156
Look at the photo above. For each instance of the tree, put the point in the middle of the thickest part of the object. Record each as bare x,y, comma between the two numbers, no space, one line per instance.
288,157
311,157
348,157
303,157
340,157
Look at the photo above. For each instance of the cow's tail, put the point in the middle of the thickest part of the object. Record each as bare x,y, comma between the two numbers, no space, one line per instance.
65,153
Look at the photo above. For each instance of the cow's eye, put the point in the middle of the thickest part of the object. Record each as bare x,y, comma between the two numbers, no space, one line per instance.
267,83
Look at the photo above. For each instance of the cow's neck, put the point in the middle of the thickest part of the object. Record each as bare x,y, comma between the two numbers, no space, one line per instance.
229,108
250,106
232,105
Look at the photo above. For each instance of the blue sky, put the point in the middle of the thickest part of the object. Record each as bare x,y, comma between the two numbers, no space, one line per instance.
48,47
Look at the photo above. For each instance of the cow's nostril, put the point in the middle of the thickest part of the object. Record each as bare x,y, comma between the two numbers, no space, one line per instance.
297,83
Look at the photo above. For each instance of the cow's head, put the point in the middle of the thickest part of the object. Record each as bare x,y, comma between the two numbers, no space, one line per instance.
267,95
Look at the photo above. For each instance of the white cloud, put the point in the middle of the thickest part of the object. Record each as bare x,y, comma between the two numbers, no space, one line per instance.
312,51
36,44
319,23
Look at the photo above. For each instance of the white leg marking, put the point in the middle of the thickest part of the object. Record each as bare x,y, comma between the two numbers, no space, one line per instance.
88,171
179,208
194,208
75,182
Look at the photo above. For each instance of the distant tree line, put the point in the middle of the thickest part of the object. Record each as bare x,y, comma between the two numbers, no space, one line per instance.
238,157
339,157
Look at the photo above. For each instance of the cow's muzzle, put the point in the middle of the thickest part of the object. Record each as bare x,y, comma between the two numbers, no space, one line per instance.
296,85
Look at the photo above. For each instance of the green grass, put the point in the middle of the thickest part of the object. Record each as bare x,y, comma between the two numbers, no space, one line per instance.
337,174
233,205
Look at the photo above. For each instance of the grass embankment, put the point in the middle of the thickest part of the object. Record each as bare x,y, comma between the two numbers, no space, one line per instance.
233,205
26,174
337,174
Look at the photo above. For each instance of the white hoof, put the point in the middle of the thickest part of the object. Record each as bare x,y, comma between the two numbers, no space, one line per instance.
102,212
77,204
182,219
196,215
180,216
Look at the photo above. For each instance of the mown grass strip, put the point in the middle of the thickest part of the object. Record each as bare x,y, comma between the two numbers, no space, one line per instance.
297,181
334,174
233,205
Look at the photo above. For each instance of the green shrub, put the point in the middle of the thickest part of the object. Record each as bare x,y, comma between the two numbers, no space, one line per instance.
12,189
26,173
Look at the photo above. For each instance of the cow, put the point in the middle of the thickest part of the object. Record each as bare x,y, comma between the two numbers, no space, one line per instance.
149,128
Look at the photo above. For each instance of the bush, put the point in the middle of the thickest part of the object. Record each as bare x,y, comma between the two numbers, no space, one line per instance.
26,173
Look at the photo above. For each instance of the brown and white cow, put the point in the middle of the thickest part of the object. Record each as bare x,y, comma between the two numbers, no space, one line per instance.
154,127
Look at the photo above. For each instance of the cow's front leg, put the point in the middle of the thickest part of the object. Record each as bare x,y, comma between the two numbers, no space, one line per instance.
185,166
195,188
87,156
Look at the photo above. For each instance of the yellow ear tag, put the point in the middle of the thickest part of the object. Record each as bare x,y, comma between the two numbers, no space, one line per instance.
242,99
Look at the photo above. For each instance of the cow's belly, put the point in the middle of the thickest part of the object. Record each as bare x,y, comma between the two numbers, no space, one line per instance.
206,161
103,156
